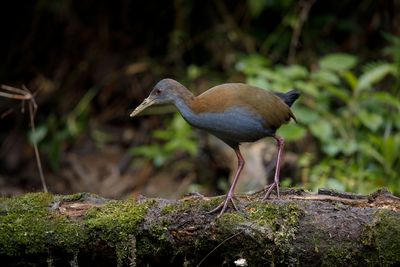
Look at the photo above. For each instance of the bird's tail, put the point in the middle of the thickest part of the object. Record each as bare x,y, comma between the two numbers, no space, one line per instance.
289,97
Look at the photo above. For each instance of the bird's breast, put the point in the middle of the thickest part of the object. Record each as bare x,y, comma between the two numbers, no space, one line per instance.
234,124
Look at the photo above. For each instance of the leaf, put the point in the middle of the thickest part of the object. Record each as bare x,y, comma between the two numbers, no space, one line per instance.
256,7
54,151
350,78
326,77
348,147
331,149
383,98
252,64
370,120
307,87
190,147
305,115
179,123
374,75
335,185
293,72
397,121
84,103
163,134
273,76
390,147
336,146
322,130
339,92
258,81
369,150
194,71
149,151
338,62
292,132
38,135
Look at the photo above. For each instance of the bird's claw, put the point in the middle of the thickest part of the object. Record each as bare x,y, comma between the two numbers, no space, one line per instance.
269,189
223,206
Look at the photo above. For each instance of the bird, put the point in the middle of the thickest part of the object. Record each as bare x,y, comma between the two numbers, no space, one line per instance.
233,112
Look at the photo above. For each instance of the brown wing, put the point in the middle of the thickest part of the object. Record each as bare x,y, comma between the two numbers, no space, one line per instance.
262,102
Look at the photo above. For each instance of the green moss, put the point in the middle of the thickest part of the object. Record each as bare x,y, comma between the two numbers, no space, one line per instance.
282,219
384,236
190,205
277,222
211,203
160,230
126,251
27,226
68,235
168,209
70,198
145,247
230,221
116,220
342,254
24,223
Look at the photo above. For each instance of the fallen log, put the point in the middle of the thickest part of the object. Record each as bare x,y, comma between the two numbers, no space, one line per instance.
328,228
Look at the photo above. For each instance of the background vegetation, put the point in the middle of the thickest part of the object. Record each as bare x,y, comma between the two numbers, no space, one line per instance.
90,62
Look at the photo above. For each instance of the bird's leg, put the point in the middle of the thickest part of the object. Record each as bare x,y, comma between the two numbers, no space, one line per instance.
229,196
280,142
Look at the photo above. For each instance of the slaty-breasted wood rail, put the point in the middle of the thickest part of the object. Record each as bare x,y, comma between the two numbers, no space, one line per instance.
233,112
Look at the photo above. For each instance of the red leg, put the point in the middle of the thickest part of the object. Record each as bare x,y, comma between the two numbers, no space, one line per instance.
229,196
280,142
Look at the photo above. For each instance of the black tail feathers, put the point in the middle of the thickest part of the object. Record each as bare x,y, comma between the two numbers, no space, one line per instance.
289,97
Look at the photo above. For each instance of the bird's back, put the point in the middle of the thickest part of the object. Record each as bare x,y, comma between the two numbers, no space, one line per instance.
259,102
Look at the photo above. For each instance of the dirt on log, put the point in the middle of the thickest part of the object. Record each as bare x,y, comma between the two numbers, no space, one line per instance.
328,228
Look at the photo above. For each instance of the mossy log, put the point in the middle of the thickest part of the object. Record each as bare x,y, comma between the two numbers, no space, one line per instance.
328,228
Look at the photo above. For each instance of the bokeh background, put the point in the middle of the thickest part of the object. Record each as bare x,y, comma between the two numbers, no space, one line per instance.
90,63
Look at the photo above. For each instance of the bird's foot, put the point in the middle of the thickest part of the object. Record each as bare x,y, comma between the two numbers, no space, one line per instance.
223,206
269,189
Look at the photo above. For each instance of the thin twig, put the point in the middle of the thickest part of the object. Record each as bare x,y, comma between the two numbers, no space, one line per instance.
22,92
23,95
305,7
6,113
220,244
32,110
14,96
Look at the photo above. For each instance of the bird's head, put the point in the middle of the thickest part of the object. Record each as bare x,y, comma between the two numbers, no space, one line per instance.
165,91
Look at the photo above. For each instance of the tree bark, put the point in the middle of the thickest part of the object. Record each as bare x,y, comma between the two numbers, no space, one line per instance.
328,228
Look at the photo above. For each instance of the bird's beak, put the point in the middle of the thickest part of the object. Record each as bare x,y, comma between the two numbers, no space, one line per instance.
145,104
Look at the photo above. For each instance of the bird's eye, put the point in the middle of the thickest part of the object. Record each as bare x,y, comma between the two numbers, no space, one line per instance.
158,91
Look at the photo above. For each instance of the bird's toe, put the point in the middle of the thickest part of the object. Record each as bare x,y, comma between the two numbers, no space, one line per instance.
269,189
223,206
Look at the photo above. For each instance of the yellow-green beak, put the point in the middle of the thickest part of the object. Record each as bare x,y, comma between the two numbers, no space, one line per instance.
145,104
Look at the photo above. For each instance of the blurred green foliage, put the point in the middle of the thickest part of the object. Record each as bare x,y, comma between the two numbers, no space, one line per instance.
350,110
53,133
348,127
348,119
177,137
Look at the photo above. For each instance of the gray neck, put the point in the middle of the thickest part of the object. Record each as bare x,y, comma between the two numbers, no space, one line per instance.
184,109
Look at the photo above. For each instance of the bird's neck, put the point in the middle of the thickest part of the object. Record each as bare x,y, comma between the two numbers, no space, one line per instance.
185,95
183,103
